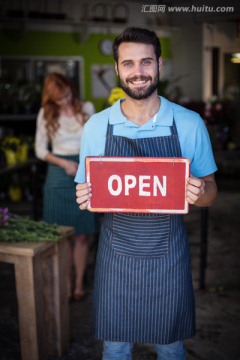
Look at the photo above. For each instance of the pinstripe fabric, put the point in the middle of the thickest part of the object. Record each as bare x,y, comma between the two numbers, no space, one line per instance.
143,285
147,236
60,205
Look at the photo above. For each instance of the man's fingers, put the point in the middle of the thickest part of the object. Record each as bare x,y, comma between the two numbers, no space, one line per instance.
84,205
81,199
195,189
83,193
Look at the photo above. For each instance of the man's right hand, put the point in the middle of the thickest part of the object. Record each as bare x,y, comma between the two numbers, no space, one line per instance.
83,193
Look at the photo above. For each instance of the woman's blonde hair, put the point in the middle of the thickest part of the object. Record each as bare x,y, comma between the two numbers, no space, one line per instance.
54,87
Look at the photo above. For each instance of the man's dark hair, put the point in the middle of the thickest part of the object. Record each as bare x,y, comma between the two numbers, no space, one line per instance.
137,35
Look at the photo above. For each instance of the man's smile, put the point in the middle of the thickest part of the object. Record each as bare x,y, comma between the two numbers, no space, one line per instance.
138,81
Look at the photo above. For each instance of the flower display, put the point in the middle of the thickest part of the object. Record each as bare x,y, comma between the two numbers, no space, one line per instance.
4,216
15,228
219,117
16,148
116,94
10,143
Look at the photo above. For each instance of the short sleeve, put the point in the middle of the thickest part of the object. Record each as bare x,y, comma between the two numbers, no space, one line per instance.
89,108
203,162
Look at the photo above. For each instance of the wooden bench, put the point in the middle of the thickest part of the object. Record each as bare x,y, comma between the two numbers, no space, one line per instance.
41,284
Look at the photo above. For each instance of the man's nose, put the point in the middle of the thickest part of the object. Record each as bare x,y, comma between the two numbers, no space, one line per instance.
138,69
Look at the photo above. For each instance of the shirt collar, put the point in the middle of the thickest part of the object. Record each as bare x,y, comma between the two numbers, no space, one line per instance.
164,116
116,116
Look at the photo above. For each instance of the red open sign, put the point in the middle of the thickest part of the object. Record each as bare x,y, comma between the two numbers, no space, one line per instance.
138,184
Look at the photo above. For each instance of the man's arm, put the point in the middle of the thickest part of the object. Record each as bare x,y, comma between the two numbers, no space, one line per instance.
201,191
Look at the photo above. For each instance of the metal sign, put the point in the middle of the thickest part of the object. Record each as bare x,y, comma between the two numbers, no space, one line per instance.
138,184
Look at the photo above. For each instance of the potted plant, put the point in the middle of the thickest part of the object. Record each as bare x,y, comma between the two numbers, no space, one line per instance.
25,145
10,146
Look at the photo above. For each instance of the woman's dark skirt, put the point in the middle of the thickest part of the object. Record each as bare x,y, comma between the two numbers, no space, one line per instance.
59,205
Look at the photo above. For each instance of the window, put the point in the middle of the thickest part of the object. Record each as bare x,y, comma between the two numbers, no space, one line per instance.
21,80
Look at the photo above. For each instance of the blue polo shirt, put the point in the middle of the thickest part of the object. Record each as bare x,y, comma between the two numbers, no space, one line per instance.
193,135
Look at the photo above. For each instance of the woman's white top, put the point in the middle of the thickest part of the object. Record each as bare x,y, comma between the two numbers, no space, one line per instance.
66,140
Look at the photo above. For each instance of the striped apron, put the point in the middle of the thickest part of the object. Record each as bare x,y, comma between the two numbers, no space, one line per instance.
143,283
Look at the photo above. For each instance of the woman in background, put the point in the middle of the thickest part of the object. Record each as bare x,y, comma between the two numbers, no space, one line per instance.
57,141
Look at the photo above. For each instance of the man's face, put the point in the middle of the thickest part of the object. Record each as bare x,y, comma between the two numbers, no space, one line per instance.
138,69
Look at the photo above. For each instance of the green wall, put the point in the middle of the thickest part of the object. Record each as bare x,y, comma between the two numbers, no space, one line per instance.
46,43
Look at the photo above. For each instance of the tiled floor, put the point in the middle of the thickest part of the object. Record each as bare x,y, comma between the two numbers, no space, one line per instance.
217,306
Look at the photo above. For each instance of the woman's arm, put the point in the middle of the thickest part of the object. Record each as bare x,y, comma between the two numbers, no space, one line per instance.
42,148
69,166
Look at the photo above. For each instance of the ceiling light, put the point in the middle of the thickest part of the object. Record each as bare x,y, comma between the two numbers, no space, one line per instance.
235,58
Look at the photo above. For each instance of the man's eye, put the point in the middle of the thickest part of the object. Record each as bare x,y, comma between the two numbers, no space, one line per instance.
127,64
146,62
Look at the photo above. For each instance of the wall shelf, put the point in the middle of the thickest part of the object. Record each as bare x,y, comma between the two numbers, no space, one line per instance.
17,117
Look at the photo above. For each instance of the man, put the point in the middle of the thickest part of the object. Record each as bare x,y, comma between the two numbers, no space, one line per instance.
143,285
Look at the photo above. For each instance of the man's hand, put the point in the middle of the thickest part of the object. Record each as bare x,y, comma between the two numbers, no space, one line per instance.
201,191
83,193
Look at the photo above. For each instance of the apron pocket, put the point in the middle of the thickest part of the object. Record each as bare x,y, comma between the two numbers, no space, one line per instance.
141,235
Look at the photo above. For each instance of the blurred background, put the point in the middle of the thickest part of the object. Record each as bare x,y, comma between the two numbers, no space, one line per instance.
200,49
201,57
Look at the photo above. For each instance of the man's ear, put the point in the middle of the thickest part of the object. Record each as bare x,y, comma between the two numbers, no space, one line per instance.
160,63
116,68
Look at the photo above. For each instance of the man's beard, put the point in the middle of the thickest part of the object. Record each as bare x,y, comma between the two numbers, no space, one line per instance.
141,92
